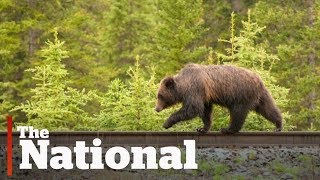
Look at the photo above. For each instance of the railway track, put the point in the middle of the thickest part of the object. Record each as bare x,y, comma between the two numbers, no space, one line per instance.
159,139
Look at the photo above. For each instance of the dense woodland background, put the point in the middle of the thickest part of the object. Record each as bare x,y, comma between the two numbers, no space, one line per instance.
96,65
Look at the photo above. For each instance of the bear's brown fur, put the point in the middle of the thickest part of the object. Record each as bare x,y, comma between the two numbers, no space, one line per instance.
198,87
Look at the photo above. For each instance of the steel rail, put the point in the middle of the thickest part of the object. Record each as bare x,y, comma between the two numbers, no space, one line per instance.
159,139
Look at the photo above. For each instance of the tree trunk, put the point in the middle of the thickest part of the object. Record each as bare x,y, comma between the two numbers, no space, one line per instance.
32,32
311,61
238,6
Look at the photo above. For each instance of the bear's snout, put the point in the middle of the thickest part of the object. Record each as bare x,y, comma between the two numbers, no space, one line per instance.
158,109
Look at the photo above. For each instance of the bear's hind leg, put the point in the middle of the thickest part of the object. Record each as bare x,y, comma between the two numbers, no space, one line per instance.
269,110
206,118
238,115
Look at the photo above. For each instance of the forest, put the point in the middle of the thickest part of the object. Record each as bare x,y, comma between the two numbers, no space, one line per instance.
96,65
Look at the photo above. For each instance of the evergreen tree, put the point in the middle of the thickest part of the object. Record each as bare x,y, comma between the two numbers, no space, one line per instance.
80,27
54,105
128,25
177,35
131,106
12,56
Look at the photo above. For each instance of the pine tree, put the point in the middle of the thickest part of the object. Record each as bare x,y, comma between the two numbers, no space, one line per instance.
54,105
128,25
12,57
80,26
177,35
130,106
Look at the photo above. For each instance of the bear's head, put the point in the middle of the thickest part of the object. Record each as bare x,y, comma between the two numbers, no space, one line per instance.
167,94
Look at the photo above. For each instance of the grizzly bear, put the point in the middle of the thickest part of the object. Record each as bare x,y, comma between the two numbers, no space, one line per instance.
198,87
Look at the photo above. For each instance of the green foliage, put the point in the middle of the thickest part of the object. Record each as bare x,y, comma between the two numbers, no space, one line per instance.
282,168
252,155
80,27
131,106
246,51
178,31
10,59
216,15
207,168
6,97
53,104
128,28
239,160
305,166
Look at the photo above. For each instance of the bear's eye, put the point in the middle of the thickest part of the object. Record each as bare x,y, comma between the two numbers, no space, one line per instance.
160,96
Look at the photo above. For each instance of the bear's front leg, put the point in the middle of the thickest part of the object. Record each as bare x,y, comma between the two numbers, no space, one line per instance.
168,124
185,113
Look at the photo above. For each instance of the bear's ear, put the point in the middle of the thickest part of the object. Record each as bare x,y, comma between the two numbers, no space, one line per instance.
169,82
